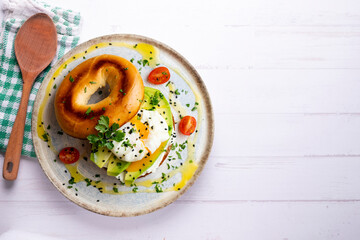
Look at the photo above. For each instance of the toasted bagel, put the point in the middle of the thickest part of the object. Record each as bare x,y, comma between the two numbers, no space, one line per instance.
78,118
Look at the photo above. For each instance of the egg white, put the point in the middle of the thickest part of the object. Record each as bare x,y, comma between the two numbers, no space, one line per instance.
135,147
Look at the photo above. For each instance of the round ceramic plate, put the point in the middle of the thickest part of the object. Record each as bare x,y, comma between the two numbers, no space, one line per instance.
89,186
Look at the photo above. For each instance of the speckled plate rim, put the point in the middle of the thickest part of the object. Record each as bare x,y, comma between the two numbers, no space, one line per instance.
162,47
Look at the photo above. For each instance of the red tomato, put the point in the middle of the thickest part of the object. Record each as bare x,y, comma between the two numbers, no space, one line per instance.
69,155
159,75
187,125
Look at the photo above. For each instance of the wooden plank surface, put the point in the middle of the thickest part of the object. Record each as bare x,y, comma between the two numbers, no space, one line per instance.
284,79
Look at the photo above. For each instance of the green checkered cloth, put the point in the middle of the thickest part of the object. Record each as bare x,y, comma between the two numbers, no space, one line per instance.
16,12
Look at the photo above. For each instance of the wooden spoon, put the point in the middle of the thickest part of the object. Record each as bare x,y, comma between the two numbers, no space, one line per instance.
35,47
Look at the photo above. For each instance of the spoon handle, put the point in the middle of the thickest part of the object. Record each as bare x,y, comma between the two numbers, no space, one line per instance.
13,151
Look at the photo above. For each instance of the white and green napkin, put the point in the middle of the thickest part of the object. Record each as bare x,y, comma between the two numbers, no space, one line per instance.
16,12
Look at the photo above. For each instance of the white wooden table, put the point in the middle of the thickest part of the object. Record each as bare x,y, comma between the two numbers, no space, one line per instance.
284,78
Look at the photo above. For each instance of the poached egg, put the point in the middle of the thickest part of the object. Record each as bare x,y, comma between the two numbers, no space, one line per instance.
143,136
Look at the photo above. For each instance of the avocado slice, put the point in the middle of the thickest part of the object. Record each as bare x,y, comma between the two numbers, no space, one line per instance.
163,106
100,156
116,166
139,167
136,169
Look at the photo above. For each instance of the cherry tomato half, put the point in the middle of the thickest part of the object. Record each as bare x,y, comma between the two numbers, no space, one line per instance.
187,125
69,155
159,75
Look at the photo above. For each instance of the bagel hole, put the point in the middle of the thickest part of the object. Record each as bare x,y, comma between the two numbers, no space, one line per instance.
100,94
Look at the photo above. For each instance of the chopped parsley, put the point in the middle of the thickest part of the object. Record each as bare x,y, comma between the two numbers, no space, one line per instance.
163,177
45,137
178,154
88,181
71,181
158,188
154,99
91,82
127,144
183,145
71,79
145,62
88,111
